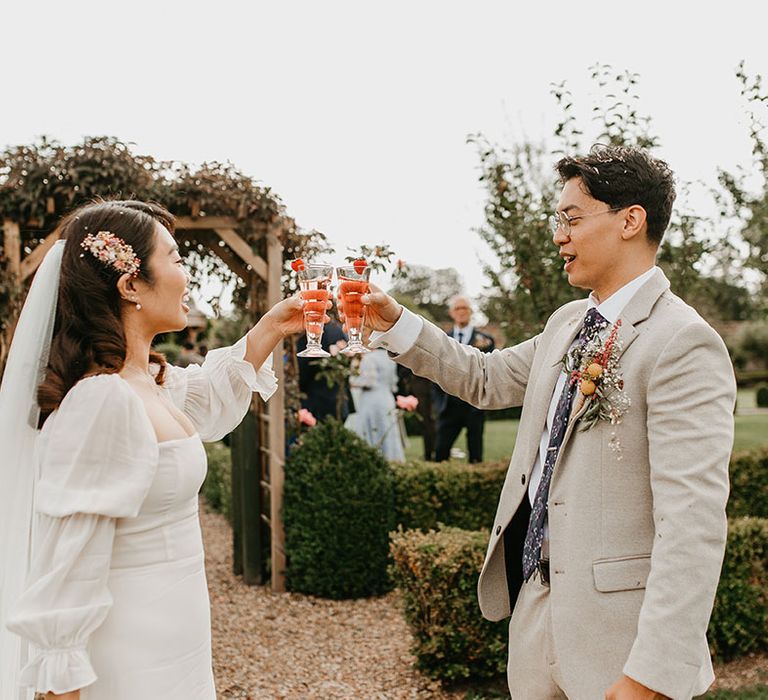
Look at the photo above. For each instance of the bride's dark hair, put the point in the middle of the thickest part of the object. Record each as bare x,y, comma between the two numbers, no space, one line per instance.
88,335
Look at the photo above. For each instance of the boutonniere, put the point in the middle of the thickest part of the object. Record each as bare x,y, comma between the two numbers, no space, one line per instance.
481,342
596,372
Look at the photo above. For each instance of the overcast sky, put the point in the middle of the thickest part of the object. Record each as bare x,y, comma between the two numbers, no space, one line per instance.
357,113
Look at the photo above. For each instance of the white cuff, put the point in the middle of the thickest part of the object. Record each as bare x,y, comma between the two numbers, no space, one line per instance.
262,380
402,336
59,671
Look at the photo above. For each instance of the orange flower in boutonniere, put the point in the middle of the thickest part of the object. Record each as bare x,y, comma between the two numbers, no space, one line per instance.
596,371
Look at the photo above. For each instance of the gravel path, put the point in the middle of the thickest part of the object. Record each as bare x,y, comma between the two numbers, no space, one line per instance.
294,647
268,646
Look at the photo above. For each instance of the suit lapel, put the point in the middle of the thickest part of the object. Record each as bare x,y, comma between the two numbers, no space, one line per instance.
639,308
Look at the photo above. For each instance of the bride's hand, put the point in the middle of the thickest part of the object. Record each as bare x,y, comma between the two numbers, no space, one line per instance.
71,695
287,316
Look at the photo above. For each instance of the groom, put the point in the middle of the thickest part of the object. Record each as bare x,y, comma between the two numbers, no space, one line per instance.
608,539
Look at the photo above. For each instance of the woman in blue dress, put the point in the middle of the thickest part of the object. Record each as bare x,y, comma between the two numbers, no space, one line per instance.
376,418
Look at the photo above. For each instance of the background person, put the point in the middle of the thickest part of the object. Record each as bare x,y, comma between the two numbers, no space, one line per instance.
452,413
376,418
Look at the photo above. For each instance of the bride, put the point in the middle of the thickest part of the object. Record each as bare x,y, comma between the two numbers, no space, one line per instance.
114,603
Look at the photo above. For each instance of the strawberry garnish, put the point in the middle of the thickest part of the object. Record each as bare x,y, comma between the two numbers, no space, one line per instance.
360,264
297,265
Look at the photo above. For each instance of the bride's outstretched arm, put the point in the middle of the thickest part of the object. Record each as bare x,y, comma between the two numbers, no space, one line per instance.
283,319
216,395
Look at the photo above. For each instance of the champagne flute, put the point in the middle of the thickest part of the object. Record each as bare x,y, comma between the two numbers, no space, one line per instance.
353,283
315,289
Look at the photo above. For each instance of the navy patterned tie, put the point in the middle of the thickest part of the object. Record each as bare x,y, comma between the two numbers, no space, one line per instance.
593,324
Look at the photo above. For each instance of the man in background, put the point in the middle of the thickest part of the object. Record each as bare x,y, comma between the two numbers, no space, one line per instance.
320,399
453,414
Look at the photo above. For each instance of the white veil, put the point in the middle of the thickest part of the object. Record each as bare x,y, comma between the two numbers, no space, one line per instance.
19,415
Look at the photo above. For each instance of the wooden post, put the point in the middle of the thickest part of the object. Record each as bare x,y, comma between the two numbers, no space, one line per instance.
12,250
246,447
12,247
237,505
276,408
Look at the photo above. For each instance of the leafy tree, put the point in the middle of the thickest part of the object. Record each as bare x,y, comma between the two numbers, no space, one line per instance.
748,202
526,281
427,290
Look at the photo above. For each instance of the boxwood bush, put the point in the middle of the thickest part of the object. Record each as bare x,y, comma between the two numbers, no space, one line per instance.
338,511
437,574
739,622
217,487
456,494
749,484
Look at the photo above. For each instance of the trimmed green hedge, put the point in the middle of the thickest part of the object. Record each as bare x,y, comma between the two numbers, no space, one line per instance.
437,575
455,494
751,377
749,484
217,487
465,495
338,511
739,623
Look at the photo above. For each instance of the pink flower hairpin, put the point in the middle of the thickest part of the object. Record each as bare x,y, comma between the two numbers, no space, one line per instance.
113,251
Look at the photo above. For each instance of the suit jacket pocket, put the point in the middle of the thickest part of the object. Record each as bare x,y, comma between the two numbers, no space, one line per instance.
621,573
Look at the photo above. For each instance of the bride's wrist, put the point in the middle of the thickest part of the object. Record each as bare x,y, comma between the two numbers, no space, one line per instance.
271,326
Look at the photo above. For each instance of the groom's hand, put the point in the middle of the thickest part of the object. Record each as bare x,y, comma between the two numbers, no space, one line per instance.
381,310
629,689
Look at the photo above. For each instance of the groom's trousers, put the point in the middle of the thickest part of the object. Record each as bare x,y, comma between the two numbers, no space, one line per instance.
533,668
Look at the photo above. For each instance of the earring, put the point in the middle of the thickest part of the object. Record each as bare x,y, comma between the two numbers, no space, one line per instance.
138,307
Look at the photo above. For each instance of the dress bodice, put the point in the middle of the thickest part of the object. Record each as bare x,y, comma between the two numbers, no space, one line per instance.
166,528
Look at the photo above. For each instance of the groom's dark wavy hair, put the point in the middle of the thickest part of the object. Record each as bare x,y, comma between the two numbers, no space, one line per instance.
622,176
88,335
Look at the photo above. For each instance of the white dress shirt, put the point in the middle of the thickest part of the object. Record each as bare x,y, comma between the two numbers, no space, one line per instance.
466,334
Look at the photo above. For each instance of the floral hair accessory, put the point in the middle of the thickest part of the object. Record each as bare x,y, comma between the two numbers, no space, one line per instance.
113,251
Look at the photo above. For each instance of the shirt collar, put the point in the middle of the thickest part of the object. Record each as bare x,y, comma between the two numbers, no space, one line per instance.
466,332
611,308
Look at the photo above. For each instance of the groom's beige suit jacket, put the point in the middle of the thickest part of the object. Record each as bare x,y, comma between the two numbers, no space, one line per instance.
637,535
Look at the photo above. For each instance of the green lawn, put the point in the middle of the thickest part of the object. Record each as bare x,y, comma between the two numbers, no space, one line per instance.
751,431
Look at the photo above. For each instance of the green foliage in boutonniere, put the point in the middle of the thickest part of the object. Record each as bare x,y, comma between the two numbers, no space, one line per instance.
595,369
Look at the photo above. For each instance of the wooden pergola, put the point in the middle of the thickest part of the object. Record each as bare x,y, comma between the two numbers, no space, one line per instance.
262,479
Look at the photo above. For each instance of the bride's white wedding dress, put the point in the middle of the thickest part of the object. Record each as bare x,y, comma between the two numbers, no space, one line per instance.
116,602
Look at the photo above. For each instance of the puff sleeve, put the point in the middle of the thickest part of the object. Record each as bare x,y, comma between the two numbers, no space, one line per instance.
216,395
98,455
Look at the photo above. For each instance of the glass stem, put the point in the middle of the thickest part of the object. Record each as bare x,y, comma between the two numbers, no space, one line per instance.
355,336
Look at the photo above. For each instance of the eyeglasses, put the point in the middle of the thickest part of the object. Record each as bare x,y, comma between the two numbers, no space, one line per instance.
561,220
